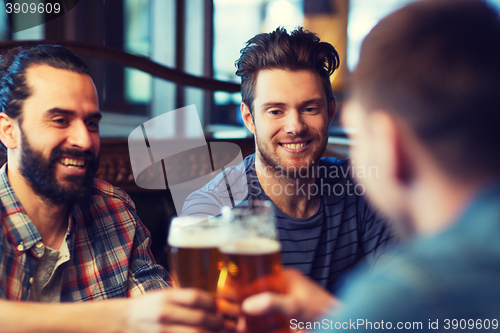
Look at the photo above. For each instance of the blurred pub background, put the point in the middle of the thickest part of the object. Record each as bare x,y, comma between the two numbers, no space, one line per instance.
198,37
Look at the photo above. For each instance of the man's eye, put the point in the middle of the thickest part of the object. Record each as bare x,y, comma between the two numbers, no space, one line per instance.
60,121
93,125
311,110
275,112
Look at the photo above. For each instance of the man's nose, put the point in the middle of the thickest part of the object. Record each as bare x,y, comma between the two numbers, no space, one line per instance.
79,136
295,123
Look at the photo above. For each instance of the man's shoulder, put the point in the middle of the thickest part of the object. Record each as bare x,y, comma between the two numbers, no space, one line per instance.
332,161
430,283
108,208
107,192
432,263
226,188
333,169
229,176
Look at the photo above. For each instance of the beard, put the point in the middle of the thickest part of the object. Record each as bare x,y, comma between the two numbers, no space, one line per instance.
289,169
41,174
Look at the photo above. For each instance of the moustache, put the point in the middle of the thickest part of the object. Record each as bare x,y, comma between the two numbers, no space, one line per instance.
58,152
291,138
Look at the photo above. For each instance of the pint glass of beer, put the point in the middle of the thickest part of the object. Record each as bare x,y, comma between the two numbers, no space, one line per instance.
195,260
252,262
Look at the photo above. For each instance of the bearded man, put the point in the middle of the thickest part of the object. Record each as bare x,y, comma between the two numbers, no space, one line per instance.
65,236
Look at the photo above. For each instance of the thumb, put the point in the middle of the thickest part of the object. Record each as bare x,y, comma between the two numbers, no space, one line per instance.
266,303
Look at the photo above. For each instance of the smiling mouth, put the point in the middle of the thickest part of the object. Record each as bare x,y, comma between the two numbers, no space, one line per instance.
72,163
295,145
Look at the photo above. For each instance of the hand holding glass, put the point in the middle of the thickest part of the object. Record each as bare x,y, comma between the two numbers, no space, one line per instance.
253,262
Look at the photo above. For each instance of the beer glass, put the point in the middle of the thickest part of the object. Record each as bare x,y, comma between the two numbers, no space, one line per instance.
253,262
195,260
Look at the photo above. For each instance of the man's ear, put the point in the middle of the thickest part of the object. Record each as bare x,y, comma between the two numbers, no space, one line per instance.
405,171
395,150
8,133
332,110
247,118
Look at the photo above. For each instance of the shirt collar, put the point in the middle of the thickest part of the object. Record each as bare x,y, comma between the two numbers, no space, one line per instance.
15,218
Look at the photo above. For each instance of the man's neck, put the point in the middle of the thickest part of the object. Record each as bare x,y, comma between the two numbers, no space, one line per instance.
439,202
292,195
50,220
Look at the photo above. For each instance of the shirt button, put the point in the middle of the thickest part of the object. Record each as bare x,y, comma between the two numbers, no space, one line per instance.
39,245
31,280
20,247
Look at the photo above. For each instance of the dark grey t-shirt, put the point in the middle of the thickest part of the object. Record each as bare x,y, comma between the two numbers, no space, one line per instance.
343,231
47,279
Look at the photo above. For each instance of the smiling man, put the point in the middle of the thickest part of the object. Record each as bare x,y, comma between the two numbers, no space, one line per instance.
65,236
325,227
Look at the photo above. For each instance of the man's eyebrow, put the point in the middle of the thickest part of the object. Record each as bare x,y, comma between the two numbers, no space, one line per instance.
318,100
55,111
272,104
95,115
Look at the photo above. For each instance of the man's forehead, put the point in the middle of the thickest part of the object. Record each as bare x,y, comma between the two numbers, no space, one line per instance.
54,88
44,80
266,74
275,83
45,76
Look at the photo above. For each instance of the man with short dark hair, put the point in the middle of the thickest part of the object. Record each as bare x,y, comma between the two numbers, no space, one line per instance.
64,236
325,227
425,101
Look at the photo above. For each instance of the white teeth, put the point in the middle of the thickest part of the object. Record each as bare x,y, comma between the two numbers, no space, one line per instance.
294,145
72,163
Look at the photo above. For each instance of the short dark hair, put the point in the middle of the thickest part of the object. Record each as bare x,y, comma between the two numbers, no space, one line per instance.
436,66
298,50
13,66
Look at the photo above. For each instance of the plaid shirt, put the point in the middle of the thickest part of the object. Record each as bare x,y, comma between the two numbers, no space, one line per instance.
108,245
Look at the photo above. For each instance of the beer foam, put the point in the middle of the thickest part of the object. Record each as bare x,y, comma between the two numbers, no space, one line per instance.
196,237
253,245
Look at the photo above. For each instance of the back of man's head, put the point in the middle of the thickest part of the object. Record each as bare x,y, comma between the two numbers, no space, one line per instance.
298,50
435,65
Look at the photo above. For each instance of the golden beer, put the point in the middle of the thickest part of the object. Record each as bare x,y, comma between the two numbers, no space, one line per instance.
195,260
196,267
254,266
